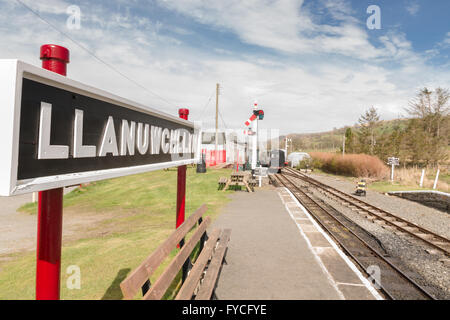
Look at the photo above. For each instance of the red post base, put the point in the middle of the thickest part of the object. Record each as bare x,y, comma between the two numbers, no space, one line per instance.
49,240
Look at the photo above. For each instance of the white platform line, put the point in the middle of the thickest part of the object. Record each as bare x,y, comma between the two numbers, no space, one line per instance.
350,284
317,258
365,282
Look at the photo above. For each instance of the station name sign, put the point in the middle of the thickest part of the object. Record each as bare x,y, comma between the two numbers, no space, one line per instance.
58,132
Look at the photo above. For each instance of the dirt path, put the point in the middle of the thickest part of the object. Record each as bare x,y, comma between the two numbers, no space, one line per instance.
17,229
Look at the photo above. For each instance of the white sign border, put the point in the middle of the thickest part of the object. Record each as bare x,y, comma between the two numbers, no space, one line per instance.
12,72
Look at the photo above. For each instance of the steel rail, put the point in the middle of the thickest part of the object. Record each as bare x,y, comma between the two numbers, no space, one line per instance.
441,243
301,196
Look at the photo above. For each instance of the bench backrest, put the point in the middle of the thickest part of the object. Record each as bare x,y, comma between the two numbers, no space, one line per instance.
134,282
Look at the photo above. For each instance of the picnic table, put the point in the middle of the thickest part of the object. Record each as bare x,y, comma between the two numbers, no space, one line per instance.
237,179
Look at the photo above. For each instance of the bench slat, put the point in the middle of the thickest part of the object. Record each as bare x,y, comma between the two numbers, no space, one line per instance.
159,288
209,281
192,280
133,283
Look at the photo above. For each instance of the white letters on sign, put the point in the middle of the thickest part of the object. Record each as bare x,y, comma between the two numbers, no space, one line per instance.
45,150
142,138
132,137
109,141
80,151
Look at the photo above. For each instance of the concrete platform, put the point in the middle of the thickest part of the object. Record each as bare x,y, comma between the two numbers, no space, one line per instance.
277,252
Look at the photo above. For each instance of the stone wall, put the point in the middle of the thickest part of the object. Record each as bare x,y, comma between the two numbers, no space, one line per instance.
435,199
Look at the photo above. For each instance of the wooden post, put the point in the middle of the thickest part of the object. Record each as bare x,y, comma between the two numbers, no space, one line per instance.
436,180
421,178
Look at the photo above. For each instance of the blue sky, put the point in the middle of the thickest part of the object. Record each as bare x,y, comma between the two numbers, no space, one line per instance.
312,65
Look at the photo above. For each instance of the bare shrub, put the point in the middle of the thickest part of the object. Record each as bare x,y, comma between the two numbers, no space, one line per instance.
356,165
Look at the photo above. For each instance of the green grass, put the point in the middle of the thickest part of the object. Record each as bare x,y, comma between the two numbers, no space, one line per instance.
385,185
145,206
442,177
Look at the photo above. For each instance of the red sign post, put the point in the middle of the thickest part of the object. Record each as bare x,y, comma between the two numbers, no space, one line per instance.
50,203
34,169
181,181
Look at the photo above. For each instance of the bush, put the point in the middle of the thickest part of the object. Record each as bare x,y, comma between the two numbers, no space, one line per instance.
305,164
356,165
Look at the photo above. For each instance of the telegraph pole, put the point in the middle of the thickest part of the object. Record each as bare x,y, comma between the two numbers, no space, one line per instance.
217,120
343,145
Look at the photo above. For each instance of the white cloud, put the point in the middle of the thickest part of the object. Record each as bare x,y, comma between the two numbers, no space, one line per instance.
283,25
447,39
49,6
299,93
413,8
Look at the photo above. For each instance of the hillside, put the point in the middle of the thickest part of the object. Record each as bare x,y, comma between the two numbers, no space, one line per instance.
332,140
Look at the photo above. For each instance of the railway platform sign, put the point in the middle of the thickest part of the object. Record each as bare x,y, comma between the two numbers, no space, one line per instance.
58,132
392,161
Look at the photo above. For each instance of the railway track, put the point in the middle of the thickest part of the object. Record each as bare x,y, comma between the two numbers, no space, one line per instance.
393,282
378,215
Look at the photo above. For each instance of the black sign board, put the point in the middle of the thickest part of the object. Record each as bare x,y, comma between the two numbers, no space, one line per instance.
66,133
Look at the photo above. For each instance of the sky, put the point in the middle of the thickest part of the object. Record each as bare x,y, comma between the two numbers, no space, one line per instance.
312,65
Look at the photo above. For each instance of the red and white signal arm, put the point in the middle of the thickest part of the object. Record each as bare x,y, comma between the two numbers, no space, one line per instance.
256,114
58,132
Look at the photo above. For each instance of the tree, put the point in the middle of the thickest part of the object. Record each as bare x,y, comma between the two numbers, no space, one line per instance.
390,142
425,138
349,141
366,134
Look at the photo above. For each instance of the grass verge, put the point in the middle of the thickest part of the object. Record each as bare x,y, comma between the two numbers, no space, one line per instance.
386,185
143,215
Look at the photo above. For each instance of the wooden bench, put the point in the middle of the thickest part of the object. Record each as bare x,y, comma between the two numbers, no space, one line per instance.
198,280
252,182
222,183
238,179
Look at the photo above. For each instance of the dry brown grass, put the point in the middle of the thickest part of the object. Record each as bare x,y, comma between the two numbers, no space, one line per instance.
356,165
362,165
411,177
